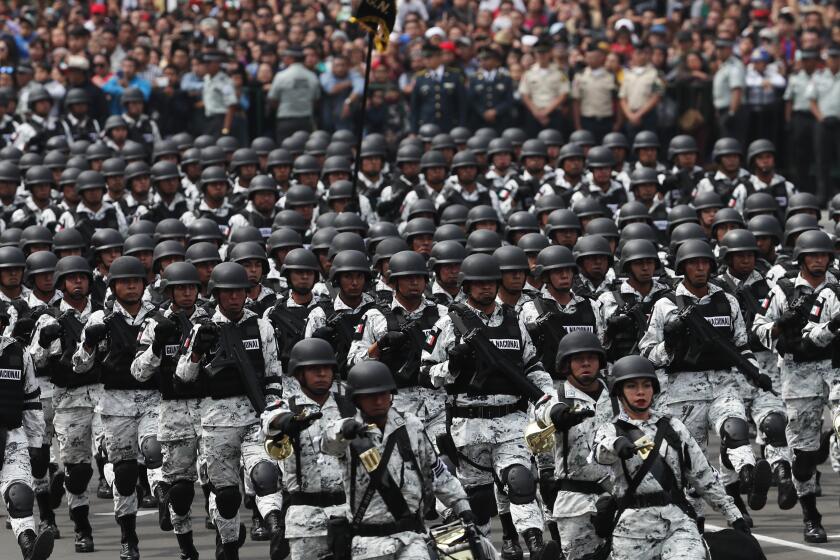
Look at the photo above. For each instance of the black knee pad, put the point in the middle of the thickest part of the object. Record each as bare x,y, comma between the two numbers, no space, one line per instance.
40,462
152,453
227,501
519,484
482,502
804,465
265,476
773,428
125,477
181,496
734,433
19,500
78,477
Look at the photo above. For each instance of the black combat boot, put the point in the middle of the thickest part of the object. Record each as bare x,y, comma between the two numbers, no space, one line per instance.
813,531
83,531
761,477
104,490
540,550
511,550
145,498
734,491
46,514
129,549
164,517
56,487
35,547
259,532
787,492
185,543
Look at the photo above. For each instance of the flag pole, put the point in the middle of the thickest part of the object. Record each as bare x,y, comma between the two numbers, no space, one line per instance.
361,126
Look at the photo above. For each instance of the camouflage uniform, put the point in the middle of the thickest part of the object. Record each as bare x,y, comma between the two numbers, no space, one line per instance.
416,486
488,446
573,507
661,531
129,416
802,382
424,402
230,431
179,424
319,480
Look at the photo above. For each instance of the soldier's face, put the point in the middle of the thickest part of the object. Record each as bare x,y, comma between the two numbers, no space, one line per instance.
215,191
422,244
281,173
573,166
92,197
584,368
254,270
7,190
513,281
534,164
69,194
647,155
741,263
44,282
483,293
435,175
502,160
816,263
765,243
145,258
490,225
264,201
730,162
595,267
41,192
638,393
128,290
646,192
76,286
317,379
352,283
11,277
337,176
565,237
115,183
371,165
696,272
107,256
410,169
765,162
601,175
168,187
231,302
374,406
723,229
642,270
467,175
184,296
302,281
411,287
447,274
305,211
619,154
248,171
707,216
686,161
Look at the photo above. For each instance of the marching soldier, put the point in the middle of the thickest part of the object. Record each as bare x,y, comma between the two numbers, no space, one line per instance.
654,519
77,124
609,192
727,153
386,517
582,404
253,259
445,263
260,210
214,205
312,479
466,191
513,262
39,126
486,419
701,385
236,354
93,213
38,208
594,258
681,180
179,429
519,192
129,407
167,202
395,335
761,160
793,326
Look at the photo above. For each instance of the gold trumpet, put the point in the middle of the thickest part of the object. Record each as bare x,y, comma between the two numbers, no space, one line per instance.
644,445
279,448
539,439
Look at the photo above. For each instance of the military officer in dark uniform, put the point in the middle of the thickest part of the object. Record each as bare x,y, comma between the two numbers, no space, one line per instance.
438,96
491,93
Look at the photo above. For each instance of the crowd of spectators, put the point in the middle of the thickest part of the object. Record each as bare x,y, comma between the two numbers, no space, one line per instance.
703,67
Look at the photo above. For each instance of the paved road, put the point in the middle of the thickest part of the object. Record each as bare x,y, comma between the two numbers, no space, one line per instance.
780,533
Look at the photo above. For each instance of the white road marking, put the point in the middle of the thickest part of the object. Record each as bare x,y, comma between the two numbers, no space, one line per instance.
789,544
139,513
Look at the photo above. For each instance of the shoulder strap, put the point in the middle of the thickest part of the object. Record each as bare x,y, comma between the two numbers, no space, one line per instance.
346,408
619,299
380,481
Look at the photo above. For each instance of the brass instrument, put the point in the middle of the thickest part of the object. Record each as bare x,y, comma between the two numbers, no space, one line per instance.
644,445
279,447
539,439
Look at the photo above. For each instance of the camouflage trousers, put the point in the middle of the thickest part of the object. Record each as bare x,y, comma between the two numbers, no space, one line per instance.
74,428
577,536
427,404
804,429
225,448
657,533
16,469
42,485
124,438
482,463
309,548
407,545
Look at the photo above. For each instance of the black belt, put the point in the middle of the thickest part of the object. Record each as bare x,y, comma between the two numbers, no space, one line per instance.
317,499
413,523
659,499
581,486
488,412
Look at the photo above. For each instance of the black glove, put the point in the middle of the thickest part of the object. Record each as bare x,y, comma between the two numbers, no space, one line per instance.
166,332
564,417
326,333
764,382
468,517
351,429
291,425
619,323
206,337
94,334
460,357
834,324
39,456
741,526
48,334
391,341
624,448
788,319
673,332
23,329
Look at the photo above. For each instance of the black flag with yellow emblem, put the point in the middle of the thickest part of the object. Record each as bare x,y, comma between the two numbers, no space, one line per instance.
378,17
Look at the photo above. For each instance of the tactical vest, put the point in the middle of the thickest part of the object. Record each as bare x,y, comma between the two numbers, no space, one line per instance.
790,339
260,222
159,211
778,190
345,323
624,343
455,197
289,324
171,387
699,356
260,307
559,324
87,130
611,201
141,131
725,187
60,368
38,143
122,347
87,225
406,365
506,337
384,297
209,214
228,381
12,392
30,219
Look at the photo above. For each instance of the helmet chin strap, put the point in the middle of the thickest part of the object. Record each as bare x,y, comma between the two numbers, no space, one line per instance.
636,409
